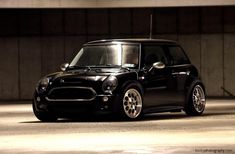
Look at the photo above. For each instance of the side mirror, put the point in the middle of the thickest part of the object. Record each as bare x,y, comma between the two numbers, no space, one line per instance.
157,65
64,66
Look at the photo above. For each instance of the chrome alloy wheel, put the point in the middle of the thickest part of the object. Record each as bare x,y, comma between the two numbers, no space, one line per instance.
198,98
132,103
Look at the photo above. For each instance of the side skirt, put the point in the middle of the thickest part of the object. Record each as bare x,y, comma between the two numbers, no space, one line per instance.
163,109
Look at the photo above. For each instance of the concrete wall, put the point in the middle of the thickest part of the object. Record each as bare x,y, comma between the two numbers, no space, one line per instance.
110,3
34,43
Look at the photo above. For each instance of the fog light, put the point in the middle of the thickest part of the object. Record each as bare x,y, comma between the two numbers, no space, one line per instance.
38,99
43,106
105,99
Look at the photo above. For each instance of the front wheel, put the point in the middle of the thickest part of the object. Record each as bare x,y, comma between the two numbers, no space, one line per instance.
197,101
132,103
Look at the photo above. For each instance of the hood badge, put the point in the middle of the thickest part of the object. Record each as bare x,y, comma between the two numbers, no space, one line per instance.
76,82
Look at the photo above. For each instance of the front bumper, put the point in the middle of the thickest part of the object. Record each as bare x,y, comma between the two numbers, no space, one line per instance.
101,102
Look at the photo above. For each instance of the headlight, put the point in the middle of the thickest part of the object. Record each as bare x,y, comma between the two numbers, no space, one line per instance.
44,83
110,84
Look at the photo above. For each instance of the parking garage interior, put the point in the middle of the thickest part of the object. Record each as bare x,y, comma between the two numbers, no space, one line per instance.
29,37
37,36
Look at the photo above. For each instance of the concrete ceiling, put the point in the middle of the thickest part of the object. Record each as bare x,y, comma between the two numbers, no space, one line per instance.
111,3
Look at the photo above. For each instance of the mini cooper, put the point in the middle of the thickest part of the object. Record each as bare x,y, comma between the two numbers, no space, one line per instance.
127,77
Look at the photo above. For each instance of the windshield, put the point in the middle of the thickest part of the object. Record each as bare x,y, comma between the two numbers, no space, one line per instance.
107,55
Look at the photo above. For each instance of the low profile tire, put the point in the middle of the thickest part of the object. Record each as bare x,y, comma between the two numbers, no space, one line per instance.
196,102
42,115
131,103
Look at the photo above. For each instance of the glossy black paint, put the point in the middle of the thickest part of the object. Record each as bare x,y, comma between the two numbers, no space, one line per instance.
162,90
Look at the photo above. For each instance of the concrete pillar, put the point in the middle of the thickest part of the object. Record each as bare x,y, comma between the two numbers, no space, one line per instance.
9,68
30,65
52,53
212,63
229,63
192,46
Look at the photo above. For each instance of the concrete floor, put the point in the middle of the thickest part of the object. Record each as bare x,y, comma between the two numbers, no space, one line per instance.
214,132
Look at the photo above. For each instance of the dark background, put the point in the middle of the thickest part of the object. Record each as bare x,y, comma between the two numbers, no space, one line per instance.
34,42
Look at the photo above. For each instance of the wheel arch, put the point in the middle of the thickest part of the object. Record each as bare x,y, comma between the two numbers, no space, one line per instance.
133,83
189,91
130,83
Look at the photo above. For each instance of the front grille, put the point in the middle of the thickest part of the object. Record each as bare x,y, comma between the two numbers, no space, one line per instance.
71,94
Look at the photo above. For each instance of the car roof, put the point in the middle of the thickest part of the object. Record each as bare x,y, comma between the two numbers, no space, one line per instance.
132,40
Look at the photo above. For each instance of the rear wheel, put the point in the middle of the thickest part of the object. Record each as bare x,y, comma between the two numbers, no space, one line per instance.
132,103
197,101
44,116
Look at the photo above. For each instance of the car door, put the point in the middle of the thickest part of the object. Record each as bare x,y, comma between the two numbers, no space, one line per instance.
179,66
156,81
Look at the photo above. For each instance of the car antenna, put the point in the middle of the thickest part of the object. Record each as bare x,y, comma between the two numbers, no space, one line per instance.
150,26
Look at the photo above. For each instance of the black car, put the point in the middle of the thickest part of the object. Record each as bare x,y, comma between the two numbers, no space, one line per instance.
128,77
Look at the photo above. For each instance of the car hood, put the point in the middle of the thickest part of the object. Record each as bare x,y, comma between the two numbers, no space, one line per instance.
94,74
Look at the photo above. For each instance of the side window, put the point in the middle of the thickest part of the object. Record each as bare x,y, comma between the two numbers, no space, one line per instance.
130,56
152,54
178,57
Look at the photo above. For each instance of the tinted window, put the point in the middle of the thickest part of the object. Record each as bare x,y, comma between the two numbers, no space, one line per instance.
130,56
178,57
152,54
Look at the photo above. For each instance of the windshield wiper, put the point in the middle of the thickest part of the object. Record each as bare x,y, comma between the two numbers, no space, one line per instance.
119,66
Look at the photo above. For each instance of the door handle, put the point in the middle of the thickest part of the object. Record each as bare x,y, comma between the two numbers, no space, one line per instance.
180,73
174,73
